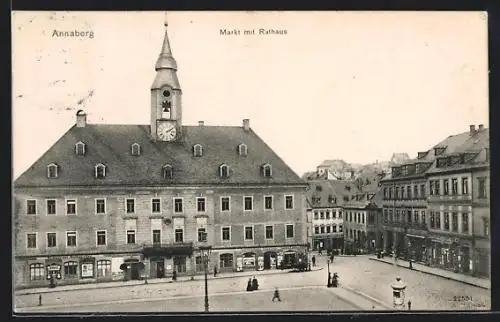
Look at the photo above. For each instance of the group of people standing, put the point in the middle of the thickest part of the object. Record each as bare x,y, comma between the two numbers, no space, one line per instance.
252,284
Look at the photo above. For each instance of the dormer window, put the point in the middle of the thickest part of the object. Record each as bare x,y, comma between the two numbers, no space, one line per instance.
168,171
80,148
242,150
267,170
100,171
136,149
197,150
52,170
224,171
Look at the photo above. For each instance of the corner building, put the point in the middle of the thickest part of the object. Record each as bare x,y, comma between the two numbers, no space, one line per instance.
112,202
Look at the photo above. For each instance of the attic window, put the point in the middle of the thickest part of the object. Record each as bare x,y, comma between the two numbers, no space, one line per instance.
136,149
52,170
100,171
242,150
168,171
316,199
224,171
332,199
267,170
197,150
80,148
319,188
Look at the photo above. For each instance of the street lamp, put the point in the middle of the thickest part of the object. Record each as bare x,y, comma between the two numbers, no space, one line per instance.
205,253
329,283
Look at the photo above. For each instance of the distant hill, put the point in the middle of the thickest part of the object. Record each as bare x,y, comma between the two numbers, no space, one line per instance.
364,176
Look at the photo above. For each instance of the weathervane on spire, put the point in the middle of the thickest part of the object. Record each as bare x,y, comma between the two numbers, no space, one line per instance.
166,22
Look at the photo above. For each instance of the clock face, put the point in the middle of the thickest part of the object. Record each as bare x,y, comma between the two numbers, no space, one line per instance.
166,131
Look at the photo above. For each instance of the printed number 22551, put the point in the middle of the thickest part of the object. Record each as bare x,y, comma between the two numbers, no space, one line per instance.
462,298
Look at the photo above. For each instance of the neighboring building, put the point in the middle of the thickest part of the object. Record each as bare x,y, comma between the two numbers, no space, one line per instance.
399,158
360,224
335,170
110,202
459,204
325,229
436,207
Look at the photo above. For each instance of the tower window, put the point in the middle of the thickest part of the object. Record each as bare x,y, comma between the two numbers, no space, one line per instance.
198,150
80,148
267,170
168,171
136,149
100,171
242,150
52,170
224,171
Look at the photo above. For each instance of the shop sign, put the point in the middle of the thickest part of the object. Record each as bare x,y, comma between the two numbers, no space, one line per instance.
249,261
54,270
239,264
260,263
280,259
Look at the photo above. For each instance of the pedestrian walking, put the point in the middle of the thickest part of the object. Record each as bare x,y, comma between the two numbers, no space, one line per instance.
313,259
276,295
174,276
255,284
249,285
331,257
215,271
409,305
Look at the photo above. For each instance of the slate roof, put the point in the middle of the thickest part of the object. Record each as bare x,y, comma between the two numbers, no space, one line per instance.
456,144
111,146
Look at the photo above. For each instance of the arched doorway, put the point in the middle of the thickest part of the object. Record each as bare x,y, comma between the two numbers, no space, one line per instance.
270,260
249,260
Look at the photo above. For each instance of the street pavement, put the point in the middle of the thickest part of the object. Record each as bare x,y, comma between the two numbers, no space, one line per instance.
302,299
363,277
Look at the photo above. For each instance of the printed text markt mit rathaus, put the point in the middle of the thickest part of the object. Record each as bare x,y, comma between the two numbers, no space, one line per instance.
251,32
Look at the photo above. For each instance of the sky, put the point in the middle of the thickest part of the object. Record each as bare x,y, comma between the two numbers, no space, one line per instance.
357,86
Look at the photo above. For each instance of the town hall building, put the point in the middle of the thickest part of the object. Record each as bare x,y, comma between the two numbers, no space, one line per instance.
110,202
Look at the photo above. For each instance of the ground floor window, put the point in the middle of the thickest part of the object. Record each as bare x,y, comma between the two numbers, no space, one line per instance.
87,270
70,269
226,261
37,272
103,268
180,264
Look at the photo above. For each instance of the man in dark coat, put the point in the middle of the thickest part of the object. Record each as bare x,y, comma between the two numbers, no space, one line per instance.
255,284
314,260
249,285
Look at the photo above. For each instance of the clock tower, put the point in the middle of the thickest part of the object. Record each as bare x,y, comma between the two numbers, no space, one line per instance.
166,108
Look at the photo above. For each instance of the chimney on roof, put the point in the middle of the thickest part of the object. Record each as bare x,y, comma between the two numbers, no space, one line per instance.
480,127
81,118
201,123
246,124
472,129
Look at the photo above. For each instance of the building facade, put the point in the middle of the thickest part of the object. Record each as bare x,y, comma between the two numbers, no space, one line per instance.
110,202
361,231
436,207
325,229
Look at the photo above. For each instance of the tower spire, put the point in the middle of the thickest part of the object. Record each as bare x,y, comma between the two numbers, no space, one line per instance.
166,59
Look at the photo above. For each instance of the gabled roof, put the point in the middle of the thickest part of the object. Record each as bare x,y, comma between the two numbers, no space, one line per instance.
110,145
456,144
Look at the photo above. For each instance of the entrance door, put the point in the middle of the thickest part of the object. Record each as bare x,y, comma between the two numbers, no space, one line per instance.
134,271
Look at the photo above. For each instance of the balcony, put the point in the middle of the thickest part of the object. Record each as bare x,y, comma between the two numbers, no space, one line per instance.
449,198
